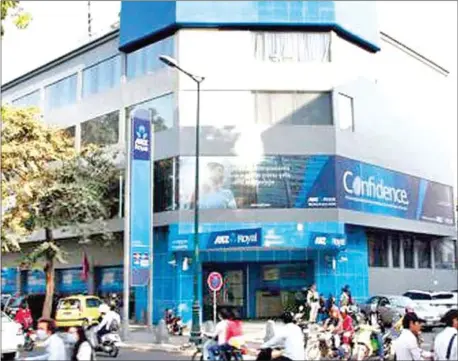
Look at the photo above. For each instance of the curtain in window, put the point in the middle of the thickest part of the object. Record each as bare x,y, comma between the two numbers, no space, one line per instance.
294,47
102,76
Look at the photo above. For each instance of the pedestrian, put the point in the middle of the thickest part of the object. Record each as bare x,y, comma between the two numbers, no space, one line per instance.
406,346
345,297
53,344
289,338
446,342
313,300
82,350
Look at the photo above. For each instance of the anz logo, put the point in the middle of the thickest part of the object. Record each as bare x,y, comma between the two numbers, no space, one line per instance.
222,240
141,139
236,239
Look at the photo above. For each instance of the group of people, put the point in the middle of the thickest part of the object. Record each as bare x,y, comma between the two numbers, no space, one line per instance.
81,347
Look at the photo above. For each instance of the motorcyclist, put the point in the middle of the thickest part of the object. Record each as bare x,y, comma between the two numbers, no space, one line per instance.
398,326
334,325
110,321
374,321
24,316
345,297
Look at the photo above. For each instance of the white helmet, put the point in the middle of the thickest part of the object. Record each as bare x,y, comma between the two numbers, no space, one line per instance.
373,307
103,308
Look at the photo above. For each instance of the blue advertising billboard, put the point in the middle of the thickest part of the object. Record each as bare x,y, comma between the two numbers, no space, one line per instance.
36,282
110,279
371,189
70,281
9,280
140,202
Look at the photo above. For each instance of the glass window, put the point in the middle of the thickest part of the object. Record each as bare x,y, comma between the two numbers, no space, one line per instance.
408,244
29,100
70,132
92,303
378,250
445,254
103,130
293,108
164,181
102,76
161,109
345,108
61,93
292,46
424,253
396,251
146,60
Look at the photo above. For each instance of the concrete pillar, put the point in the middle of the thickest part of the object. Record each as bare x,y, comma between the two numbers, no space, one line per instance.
401,250
415,254
390,251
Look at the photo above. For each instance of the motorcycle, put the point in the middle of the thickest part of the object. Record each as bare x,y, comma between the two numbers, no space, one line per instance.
109,343
30,338
174,323
234,353
366,344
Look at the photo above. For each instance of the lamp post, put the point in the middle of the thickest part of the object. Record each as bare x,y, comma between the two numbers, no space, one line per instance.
195,328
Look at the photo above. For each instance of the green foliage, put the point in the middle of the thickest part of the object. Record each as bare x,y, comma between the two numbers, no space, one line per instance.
11,8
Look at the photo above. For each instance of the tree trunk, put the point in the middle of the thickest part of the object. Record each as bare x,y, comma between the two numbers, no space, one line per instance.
49,270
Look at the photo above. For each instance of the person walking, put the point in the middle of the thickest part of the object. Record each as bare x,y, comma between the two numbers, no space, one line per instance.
53,344
313,300
82,350
345,297
406,346
446,342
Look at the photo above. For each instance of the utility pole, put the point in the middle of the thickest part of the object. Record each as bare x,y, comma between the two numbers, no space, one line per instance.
89,20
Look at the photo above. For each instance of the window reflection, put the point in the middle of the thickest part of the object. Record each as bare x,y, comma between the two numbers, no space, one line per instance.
445,256
103,130
29,100
102,76
61,93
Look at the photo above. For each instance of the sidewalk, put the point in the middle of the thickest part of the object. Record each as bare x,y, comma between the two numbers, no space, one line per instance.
142,339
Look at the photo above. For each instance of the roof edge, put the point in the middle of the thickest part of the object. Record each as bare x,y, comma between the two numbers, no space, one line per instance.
67,56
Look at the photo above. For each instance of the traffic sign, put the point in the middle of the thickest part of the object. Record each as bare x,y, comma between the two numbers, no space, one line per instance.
215,281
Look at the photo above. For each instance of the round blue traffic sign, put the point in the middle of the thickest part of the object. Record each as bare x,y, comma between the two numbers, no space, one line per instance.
215,281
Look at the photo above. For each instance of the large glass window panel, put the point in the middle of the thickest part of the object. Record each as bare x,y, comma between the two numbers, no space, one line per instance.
409,250
61,93
29,100
293,108
103,130
164,185
378,250
345,110
424,253
102,76
445,254
292,46
162,110
146,60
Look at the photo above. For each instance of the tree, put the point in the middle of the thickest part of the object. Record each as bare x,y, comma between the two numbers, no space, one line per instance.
58,189
11,8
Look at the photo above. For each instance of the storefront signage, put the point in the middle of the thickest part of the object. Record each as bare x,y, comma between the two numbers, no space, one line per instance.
327,240
141,188
69,281
36,282
9,280
235,239
368,188
111,279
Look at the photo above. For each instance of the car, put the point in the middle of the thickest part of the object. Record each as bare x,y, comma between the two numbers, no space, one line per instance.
443,301
430,314
389,314
12,338
80,310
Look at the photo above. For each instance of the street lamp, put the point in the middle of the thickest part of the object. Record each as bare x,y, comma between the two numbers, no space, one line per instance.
195,328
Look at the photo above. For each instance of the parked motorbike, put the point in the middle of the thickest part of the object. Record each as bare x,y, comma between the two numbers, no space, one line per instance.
174,323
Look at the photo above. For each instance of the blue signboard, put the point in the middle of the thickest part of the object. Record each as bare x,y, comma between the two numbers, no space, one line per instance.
70,281
36,282
110,279
140,204
367,188
9,280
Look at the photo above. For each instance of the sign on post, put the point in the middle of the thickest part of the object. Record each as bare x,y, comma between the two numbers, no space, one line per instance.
215,283
140,201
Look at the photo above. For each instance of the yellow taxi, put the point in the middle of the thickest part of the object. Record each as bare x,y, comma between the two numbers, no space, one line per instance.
78,310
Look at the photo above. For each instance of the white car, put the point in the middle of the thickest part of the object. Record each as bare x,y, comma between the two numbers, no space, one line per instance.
430,314
12,338
442,301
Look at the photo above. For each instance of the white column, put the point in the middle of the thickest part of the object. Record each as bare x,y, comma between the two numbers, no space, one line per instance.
390,251
415,253
401,251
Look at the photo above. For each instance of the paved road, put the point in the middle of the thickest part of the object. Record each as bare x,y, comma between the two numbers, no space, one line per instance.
133,355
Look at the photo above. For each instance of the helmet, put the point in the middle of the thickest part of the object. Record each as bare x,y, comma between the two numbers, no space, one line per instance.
409,309
373,308
103,308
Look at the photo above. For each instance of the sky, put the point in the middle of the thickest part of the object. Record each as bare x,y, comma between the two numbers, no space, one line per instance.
429,27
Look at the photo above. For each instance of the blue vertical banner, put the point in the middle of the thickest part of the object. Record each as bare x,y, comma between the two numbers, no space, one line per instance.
9,280
140,201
